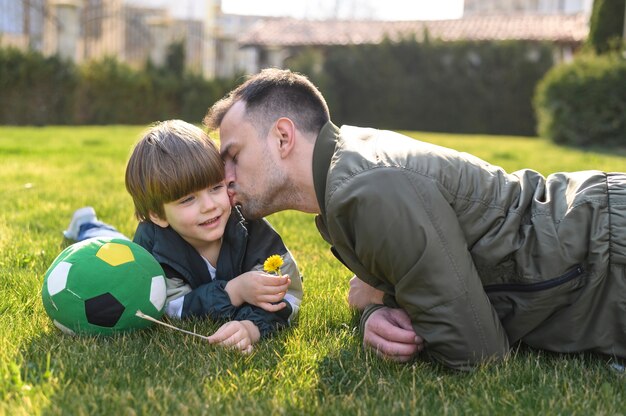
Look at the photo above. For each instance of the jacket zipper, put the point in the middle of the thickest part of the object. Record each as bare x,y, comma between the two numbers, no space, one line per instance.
534,287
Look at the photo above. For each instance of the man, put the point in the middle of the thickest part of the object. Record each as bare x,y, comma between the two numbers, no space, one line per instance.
470,258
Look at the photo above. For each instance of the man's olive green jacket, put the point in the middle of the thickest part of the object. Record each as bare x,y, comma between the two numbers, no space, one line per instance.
478,258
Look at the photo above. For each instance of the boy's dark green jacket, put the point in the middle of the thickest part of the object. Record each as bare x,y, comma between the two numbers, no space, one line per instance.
245,247
477,257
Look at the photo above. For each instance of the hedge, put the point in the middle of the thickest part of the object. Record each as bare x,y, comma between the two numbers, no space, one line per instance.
38,90
35,89
606,25
463,87
583,103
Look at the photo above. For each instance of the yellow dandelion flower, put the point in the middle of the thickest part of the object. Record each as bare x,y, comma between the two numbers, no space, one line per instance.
272,264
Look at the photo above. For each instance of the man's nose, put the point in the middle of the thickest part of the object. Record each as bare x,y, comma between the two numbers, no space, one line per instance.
229,175
231,187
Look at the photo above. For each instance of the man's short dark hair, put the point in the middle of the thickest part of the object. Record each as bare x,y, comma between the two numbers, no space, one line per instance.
271,94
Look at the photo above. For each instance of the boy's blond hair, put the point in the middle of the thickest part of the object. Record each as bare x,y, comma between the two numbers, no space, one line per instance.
171,160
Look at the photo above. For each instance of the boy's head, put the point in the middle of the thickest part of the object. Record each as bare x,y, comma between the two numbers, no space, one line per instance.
171,160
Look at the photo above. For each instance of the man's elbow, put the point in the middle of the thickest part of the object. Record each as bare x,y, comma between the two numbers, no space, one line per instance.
468,361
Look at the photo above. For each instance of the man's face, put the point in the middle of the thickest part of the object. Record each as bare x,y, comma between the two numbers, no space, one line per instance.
255,179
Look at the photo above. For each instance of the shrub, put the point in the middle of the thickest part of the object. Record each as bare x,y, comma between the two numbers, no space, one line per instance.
606,25
197,95
461,87
39,90
584,102
113,93
35,89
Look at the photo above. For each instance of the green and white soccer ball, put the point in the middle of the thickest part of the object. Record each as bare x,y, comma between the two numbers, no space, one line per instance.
97,286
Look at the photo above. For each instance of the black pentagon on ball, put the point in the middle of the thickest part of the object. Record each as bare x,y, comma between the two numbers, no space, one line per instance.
103,310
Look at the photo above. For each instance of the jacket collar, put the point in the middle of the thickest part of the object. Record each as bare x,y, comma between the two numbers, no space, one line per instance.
171,249
322,156
233,250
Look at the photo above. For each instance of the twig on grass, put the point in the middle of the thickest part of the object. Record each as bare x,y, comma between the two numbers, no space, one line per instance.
156,321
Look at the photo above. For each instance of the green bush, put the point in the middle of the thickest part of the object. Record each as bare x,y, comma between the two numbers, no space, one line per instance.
113,93
583,103
460,87
35,89
197,95
39,90
606,25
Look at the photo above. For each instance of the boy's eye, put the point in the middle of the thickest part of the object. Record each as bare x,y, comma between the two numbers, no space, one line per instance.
186,199
217,187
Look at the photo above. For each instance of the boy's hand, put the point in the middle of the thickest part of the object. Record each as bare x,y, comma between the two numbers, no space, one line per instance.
240,335
361,294
259,289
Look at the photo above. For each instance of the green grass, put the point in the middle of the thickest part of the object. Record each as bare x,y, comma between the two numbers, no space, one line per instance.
317,367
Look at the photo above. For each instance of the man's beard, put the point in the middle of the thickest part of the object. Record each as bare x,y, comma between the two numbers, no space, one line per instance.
279,196
276,196
255,209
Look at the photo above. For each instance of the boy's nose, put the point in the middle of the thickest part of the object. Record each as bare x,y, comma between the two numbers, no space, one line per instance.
207,201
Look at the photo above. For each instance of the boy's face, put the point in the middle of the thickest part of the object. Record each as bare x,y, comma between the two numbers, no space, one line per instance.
200,217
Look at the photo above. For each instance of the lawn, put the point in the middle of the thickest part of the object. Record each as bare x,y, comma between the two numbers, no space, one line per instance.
316,367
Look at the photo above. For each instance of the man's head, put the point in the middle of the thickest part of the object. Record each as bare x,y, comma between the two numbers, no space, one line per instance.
263,124
271,94
171,160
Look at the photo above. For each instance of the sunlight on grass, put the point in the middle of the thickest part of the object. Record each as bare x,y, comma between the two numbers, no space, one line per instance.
315,367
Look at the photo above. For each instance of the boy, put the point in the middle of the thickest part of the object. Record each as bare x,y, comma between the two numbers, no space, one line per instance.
212,256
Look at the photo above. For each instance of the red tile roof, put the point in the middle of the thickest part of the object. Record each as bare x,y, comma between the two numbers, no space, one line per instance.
293,32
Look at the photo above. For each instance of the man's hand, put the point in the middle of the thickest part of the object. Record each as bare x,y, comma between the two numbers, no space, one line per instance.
361,294
240,335
389,332
259,289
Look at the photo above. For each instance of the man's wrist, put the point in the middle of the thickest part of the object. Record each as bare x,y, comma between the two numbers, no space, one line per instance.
367,312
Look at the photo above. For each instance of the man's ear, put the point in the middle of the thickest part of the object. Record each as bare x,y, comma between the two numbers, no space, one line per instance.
287,135
158,220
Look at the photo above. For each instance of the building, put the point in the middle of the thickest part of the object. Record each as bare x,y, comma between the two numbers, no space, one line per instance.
271,42
19,28
82,30
223,45
486,7
230,59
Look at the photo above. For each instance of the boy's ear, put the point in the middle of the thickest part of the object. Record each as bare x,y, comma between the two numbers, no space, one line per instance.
287,135
158,220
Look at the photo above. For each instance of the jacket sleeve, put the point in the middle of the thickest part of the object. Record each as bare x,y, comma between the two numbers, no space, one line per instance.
293,297
395,226
294,294
266,242
270,322
209,299
267,322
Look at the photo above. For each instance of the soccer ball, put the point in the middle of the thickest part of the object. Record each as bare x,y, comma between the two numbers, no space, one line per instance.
96,286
